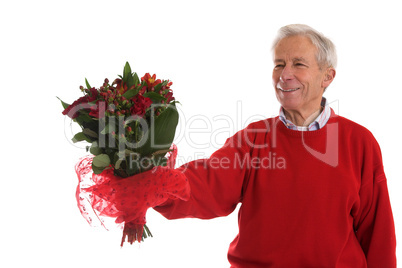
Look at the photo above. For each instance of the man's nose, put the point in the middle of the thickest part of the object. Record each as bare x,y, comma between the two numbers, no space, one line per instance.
287,74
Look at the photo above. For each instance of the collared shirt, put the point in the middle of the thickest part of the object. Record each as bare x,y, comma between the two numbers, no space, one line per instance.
318,123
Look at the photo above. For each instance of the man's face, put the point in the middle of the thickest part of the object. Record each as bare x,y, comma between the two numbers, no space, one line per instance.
298,80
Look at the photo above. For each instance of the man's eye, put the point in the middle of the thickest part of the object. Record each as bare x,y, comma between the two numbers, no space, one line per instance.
278,66
300,64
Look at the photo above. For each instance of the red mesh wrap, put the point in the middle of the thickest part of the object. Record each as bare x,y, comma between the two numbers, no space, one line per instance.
127,199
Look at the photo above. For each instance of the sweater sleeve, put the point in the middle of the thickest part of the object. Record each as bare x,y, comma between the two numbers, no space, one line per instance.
216,183
374,224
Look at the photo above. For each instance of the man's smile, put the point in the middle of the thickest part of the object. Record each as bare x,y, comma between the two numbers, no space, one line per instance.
289,90
286,89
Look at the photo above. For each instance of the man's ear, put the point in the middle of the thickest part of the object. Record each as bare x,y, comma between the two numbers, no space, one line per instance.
329,77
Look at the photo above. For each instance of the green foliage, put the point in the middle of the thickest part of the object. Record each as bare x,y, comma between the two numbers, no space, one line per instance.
87,84
161,133
131,93
155,97
90,133
101,161
95,150
129,78
119,135
65,105
80,136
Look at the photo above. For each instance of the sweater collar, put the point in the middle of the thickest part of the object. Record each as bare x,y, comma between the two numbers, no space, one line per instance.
318,123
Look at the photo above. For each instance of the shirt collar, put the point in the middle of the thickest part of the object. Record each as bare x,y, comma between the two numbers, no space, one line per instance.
318,123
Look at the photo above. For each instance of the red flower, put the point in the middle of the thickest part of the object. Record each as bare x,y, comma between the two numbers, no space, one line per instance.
82,103
141,104
169,97
121,87
151,82
142,90
98,109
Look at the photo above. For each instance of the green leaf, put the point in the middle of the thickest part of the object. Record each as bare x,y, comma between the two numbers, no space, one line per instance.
83,117
87,84
97,170
131,93
130,81
95,150
101,161
90,133
126,152
161,133
136,79
118,163
80,136
154,96
65,105
165,127
126,71
158,87
161,152
109,128
127,76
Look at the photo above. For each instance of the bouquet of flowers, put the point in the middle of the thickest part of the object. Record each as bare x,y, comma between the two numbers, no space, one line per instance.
130,125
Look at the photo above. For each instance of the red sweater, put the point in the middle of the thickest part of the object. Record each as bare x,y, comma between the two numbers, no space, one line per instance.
309,199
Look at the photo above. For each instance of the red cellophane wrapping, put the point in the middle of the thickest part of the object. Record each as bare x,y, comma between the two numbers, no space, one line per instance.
127,200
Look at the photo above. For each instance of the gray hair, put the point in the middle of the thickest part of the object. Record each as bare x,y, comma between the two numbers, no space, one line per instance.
326,52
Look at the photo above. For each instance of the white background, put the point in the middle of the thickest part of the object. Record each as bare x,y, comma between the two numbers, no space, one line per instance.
217,53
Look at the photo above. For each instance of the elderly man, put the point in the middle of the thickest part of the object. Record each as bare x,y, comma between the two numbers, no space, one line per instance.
311,184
